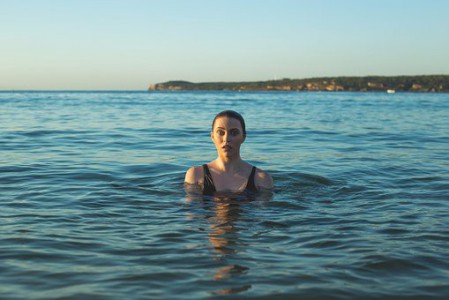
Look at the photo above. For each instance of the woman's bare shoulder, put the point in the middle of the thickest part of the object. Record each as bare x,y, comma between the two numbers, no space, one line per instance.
194,175
263,179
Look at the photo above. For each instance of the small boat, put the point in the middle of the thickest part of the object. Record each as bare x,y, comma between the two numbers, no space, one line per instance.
391,91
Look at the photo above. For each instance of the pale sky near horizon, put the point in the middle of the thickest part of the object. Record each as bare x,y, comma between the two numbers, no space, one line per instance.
126,45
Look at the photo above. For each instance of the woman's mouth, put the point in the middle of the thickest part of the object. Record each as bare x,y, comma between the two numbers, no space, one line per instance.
226,148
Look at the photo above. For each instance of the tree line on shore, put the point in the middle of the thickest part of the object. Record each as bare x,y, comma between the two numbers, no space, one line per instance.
420,83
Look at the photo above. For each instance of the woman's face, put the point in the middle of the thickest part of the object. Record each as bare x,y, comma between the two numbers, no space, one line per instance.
227,136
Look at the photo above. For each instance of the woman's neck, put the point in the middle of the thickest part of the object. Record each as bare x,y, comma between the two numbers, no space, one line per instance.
229,165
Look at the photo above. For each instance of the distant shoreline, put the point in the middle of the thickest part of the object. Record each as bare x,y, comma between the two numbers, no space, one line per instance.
205,91
391,84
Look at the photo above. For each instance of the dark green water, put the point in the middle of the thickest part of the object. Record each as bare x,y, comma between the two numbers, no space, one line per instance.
92,204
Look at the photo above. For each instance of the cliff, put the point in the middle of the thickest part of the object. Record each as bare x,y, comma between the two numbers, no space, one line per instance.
423,83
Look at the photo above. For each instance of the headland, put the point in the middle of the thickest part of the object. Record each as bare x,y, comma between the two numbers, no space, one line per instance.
419,83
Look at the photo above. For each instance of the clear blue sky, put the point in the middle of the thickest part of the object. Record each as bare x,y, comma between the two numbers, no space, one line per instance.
93,44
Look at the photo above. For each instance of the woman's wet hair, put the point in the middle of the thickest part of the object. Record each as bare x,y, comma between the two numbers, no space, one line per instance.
230,114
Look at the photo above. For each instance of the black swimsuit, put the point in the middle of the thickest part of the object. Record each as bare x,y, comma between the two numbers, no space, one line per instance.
209,186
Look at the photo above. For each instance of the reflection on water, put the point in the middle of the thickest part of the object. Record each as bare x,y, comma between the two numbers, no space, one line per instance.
223,236
222,215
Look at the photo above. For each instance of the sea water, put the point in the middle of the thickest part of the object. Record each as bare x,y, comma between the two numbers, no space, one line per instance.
92,204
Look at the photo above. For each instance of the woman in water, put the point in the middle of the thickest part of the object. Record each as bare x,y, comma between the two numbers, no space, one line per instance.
228,173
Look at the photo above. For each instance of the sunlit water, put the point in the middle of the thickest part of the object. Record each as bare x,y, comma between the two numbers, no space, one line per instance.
92,203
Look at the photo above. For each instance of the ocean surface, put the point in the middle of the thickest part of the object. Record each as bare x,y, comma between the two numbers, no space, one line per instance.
92,202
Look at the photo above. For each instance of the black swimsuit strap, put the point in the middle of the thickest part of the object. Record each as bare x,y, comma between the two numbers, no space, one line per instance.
251,185
209,186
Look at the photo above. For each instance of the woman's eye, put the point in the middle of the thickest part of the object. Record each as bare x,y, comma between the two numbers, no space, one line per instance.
234,132
220,132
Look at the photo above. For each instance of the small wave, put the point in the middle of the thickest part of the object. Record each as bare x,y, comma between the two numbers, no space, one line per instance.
392,265
298,179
